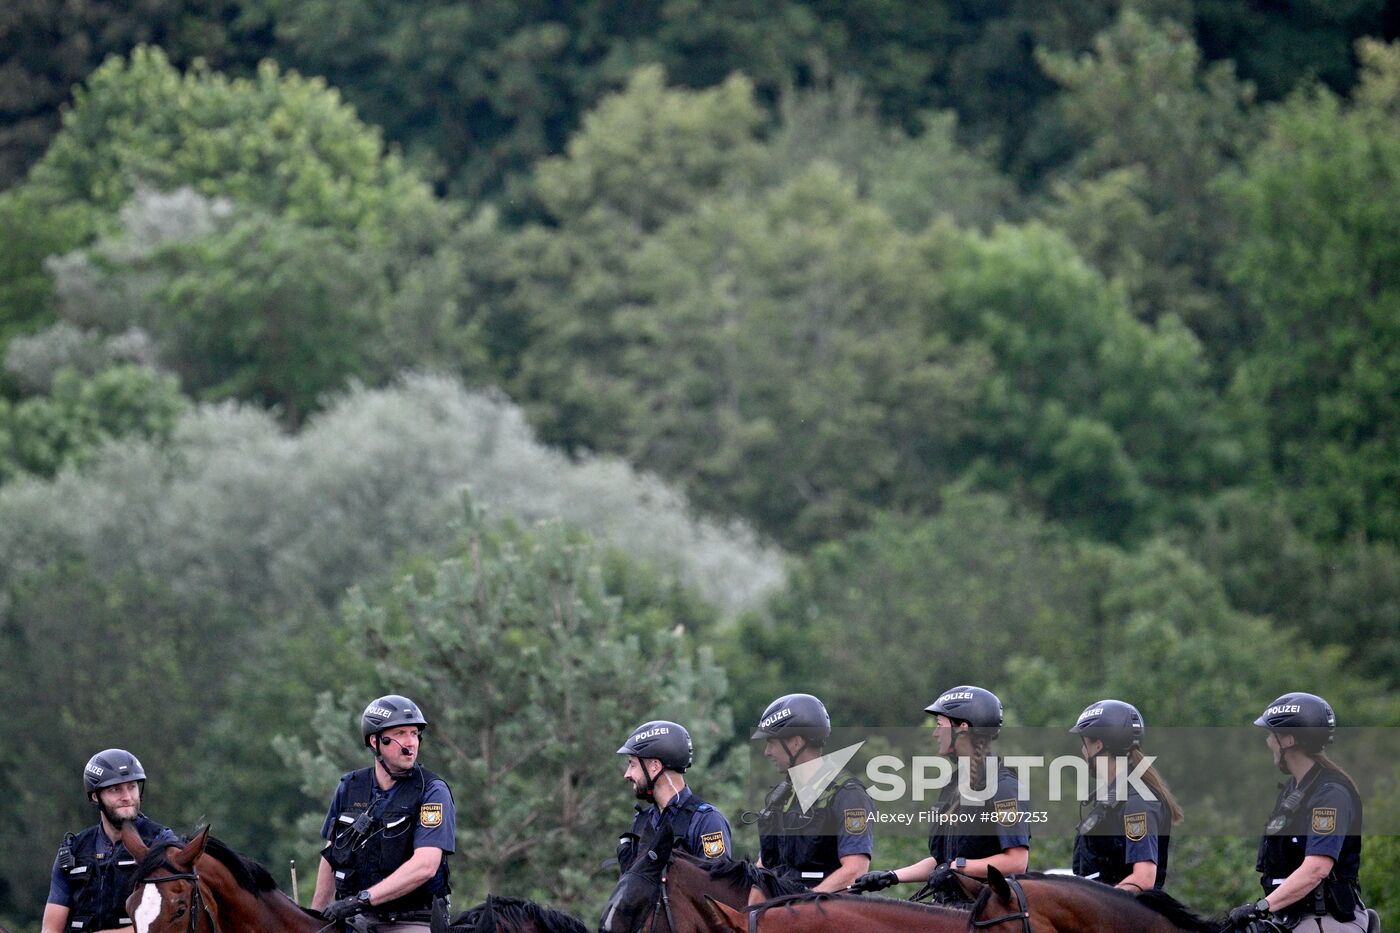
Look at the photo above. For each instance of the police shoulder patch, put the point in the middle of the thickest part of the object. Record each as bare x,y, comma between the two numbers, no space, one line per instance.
855,820
1135,826
1324,820
1006,809
712,844
430,815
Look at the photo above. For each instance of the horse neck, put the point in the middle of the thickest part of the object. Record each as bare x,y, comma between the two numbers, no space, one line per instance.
1067,906
870,915
693,883
240,911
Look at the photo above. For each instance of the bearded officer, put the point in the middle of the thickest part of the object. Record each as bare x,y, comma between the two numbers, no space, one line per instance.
92,873
658,754
1310,854
829,845
389,830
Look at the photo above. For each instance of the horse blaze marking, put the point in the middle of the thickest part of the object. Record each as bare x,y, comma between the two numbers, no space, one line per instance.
148,910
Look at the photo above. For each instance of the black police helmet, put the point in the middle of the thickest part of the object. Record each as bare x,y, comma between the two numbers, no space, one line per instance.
390,712
1116,724
110,767
1307,717
798,714
666,741
977,707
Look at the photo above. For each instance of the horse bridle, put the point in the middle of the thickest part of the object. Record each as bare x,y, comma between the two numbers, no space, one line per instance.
663,901
197,904
1024,916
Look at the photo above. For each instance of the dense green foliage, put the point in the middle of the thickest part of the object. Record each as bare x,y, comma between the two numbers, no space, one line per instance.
490,352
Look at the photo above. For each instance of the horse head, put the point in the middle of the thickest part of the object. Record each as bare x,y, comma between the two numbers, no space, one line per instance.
167,895
641,889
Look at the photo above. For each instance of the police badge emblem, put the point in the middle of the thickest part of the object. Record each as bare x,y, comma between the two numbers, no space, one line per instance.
712,844
1006,810
855,821
1135,826
1324,820
430,815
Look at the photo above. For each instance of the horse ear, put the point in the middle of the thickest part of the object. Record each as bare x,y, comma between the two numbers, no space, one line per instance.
131,839
998,883
725,917
192,849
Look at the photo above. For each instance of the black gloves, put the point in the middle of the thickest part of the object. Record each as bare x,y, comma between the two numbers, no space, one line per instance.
339,911
874,881
1243,915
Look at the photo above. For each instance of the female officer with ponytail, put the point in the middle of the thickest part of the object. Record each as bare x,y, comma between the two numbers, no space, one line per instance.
968,836
1122,842
1310,854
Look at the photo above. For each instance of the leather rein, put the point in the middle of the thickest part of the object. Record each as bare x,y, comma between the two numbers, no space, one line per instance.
1024,916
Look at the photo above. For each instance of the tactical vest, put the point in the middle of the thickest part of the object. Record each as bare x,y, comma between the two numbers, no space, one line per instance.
805,844
946,843
99,886
365,856
1100,848
1282,852
678,815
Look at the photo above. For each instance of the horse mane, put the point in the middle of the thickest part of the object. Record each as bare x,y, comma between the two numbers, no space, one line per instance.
246,873
737,872
1155,901
821,897
516,912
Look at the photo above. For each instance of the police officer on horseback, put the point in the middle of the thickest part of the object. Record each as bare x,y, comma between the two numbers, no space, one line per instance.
829,844
658,754
1124,837
93,871
389,831
966,837
1310,854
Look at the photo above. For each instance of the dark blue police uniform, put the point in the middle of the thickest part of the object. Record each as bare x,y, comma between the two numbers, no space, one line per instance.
810,845
372,832
1320,815
1116,835
698,827
972,829
95,889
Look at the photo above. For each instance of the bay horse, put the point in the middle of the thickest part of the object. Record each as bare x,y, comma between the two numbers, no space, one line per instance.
1041,903
203,886
664,891
835,913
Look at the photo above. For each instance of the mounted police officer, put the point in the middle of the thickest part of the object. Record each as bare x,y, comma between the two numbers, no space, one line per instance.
658,754
828,845
1123,839
389,831
1310,854
967,836
92,873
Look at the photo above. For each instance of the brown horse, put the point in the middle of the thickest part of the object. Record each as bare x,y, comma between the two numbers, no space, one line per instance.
666,892
1038,903
203,886
836,913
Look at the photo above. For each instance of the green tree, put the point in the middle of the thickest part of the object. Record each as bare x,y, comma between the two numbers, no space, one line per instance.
1154,126
1319,206
528,672
42,434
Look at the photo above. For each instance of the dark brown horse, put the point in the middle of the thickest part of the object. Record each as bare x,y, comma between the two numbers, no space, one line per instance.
666,892
1038,903
836,913
203,886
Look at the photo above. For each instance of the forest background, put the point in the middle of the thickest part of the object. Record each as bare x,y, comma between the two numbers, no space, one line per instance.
568,365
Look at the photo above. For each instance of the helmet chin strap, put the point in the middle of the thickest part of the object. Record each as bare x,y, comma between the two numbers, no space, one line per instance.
394,775
792,756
